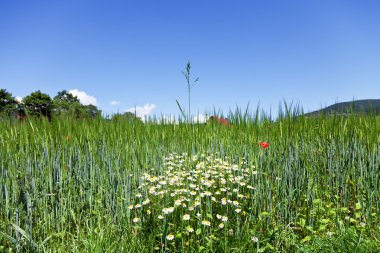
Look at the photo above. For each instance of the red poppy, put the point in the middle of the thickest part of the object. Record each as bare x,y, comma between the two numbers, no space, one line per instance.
264,144
222,121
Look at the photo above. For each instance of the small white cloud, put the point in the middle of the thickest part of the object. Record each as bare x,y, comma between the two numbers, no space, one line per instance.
18,99
114,102
143,111
200,118
83,97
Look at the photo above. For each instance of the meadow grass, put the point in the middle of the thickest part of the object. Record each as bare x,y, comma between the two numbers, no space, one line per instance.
103,186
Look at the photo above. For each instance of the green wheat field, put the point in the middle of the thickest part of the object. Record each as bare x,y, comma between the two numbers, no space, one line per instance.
96,185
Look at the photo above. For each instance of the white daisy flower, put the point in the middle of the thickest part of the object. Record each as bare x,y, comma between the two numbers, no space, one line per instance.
206,223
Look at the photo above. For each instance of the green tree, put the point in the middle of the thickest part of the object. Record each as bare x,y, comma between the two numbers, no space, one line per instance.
38,104
8,104
91,111
64,96
127,116
65,103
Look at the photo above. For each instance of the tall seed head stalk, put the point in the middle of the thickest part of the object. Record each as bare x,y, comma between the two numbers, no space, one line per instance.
189,85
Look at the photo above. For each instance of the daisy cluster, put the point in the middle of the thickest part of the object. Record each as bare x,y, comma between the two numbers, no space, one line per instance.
193,195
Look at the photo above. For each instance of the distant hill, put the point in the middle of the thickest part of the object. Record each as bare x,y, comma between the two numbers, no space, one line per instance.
357,106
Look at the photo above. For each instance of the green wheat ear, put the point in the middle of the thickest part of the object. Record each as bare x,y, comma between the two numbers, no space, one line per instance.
189,87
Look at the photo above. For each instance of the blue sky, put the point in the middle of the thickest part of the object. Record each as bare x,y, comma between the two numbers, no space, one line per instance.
313,53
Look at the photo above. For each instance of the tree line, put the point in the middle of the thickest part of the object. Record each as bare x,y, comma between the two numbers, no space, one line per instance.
38,104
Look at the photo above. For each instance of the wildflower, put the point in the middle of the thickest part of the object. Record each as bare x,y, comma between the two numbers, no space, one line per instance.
206,223
207,193
139,195
178,202
264,144
186,217
168,210
160,217
190,229
224,218
152,190
130,207
221,225
170,237
148,211
235,167
238,210
135,220
255,239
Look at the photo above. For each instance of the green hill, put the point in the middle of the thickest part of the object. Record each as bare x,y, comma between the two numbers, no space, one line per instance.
365,106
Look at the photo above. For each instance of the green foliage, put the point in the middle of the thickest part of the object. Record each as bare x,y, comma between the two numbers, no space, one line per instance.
64,96
67,105
38,104
127,116
8,103
92,111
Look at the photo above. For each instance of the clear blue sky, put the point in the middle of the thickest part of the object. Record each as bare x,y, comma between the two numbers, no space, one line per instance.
314,53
